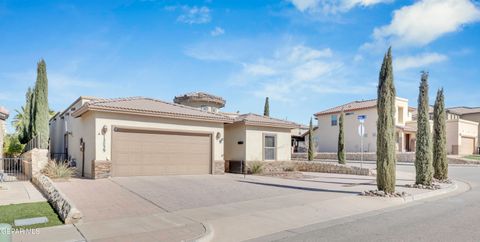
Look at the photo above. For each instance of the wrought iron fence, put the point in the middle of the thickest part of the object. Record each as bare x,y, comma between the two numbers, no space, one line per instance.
36,143
12,169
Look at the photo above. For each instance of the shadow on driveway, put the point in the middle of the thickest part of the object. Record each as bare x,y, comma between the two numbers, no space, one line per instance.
299,188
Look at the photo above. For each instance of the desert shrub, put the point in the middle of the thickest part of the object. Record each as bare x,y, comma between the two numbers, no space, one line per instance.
255,167
58,170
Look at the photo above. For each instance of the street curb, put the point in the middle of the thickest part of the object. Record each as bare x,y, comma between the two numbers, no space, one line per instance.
433,193
208,235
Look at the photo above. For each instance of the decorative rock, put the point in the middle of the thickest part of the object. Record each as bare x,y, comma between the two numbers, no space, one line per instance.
427,187
376,193
64,207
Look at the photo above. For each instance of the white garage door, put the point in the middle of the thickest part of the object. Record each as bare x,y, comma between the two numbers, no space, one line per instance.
151,153
468,146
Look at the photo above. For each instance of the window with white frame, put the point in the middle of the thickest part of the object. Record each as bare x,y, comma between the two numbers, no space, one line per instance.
270,147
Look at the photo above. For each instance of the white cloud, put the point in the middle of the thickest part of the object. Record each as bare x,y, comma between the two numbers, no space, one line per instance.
194,15
294,71
217,31
425,21
333,6
422,60
259,70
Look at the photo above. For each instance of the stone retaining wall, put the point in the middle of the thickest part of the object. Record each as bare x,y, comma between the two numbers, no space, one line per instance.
368,156
311,166
64,208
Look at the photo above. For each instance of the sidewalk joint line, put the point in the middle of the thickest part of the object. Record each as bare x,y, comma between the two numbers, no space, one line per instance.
80,232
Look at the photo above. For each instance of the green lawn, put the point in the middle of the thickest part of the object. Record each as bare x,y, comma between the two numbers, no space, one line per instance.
473,157
9,213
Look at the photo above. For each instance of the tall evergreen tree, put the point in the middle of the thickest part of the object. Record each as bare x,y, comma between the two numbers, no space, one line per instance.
40,106
423,152
311,151
440,162
386,156
23,119
266,108
341,139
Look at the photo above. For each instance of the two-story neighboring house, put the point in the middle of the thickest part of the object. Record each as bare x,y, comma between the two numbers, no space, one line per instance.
470,114
326,135
462,128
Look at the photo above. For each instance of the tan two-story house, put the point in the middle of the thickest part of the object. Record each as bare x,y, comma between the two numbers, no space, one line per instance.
462,135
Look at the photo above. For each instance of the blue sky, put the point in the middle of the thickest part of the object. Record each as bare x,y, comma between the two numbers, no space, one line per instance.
306,55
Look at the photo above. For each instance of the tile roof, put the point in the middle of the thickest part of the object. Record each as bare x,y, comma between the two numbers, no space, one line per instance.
150,107
260,120
464,110
355,105
3,113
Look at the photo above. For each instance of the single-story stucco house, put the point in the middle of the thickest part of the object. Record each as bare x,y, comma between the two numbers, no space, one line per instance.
140,136
462,135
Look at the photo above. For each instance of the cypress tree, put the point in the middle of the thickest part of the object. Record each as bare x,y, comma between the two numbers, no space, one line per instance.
440,162
386,156
311,152
25,132
341,139
266,108
423,153
40,106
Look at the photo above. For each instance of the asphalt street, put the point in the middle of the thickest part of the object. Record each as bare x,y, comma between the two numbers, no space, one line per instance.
452,217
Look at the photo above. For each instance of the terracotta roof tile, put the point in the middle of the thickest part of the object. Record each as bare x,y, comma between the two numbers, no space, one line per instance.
260,120
150,106
464,110
355,105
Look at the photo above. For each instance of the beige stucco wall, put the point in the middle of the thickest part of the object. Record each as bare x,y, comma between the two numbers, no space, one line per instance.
475,117
252,147
235,133
115,119
77,128
2,134
458,128
326,136
254,143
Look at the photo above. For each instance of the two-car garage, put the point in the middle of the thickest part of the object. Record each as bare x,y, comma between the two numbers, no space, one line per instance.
142,152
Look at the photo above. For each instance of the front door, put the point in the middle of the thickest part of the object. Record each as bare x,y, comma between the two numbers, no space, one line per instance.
407,142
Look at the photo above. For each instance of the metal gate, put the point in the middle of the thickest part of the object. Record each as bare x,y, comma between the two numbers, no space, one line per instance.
12,169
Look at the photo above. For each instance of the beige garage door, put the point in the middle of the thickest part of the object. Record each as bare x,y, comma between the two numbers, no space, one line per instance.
152,153
468,146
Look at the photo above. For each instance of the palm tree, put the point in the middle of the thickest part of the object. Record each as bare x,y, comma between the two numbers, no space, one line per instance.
19,120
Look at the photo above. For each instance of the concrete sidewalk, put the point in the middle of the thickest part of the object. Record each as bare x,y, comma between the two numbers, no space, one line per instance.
337,198
16,192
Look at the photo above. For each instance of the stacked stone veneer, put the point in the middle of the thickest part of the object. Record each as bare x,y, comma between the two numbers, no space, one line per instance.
64,207
101,169
311,166
370,156
218,167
